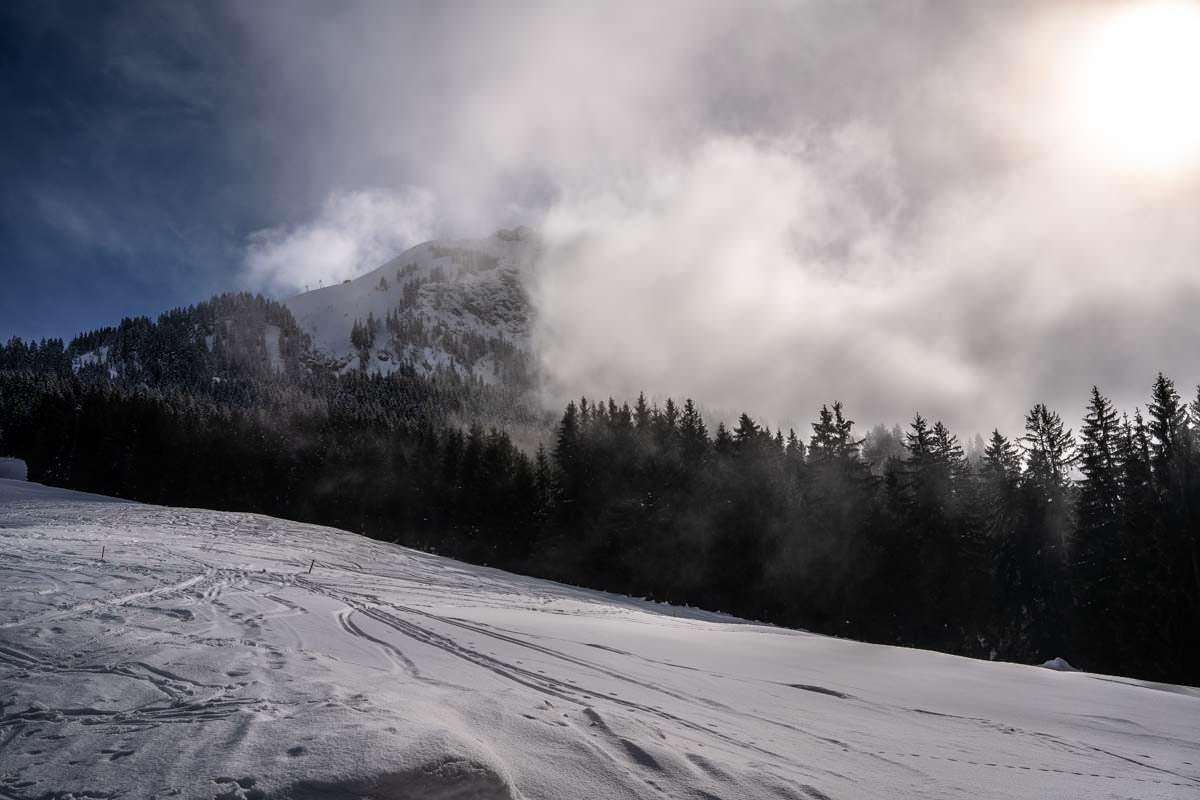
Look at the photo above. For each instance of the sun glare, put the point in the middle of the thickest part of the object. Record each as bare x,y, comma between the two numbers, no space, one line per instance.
1134,87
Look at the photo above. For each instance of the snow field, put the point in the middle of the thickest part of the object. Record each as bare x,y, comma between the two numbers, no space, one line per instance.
200,659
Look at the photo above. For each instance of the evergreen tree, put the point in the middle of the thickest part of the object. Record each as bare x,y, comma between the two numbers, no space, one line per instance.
569,456
919,442
1174,470
641,413
747,434
794,448
823,444
1004,523
1096,566
1001,459
1139,626
543,477
1042,569
832,438
667,425
723,442
1049,451
1169,434
948,452
693,433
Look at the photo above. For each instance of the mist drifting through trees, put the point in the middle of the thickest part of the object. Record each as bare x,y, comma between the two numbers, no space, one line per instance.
1043,543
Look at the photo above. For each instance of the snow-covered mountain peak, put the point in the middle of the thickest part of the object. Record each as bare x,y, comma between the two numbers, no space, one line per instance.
456,304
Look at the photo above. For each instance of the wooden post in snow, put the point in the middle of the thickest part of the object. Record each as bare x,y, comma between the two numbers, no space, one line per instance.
310,566
102,547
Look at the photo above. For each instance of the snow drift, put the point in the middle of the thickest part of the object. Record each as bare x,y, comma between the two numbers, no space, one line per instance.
199,658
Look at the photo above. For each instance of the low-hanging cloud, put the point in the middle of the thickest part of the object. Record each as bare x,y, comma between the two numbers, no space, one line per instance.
758,275
766,207
355,232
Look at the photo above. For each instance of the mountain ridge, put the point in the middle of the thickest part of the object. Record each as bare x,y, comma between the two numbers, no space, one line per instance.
457,306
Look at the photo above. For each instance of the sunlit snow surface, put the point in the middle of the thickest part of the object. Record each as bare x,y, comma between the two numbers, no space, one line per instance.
199,659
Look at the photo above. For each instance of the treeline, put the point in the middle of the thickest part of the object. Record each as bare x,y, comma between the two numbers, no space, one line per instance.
1043,545
245,351
366,457
224,337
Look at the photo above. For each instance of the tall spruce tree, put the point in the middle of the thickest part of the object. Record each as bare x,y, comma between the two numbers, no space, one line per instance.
794,448
840,495
1097,551
1013,607
693,433
641,413
569,457
1173,467
748,435
1045,539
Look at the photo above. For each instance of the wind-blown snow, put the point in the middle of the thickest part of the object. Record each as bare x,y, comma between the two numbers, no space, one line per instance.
200,659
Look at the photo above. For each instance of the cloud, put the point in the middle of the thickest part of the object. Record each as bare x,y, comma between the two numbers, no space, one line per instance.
765,276
765,207
87,225
355,232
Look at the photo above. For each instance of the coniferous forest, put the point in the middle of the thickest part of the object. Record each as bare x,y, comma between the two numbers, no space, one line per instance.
1046,543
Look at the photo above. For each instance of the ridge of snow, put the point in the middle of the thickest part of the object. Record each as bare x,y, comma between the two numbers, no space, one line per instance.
200,658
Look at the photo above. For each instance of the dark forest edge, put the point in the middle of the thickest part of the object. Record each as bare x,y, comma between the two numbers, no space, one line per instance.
1041,546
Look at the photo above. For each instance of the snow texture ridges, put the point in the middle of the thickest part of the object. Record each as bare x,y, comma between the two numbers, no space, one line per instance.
148,651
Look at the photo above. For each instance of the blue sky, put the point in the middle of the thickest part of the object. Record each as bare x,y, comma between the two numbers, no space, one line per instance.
145,142
128,178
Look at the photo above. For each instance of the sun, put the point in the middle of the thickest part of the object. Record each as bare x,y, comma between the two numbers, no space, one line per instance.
1133,91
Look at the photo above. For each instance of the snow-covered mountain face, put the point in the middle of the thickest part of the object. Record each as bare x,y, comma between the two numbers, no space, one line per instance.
458,305
148,651
455,305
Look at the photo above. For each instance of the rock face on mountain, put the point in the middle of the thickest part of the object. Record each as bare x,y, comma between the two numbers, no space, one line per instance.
445,305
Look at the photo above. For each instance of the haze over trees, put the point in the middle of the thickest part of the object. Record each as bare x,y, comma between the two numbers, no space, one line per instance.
1042,543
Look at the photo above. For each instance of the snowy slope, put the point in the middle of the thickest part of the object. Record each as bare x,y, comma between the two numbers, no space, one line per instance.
447,289
200,659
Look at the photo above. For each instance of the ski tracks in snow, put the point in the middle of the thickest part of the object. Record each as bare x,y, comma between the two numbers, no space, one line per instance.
200,659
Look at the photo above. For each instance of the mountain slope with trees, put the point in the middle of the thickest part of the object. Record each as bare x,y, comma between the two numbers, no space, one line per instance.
1040,546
